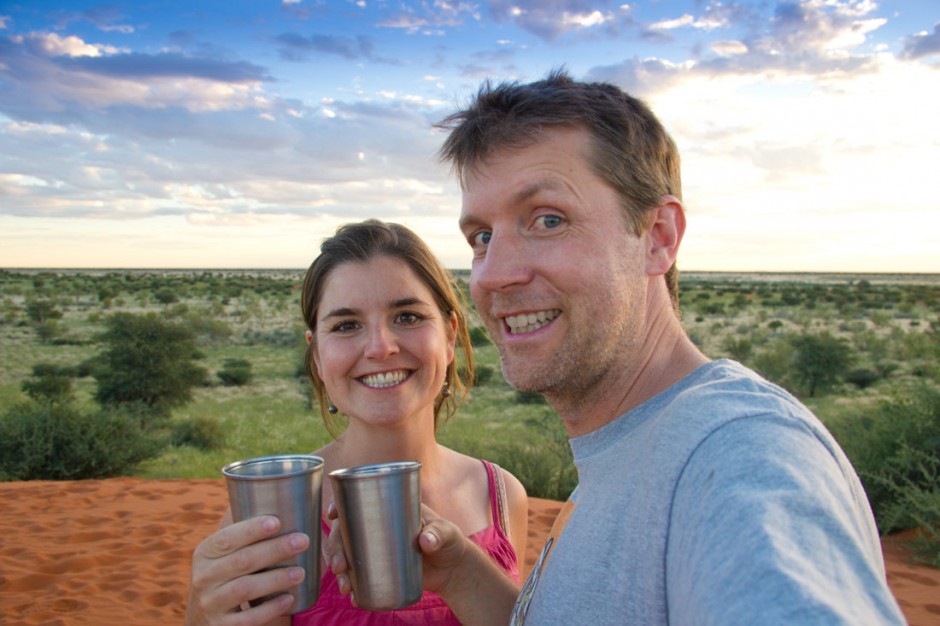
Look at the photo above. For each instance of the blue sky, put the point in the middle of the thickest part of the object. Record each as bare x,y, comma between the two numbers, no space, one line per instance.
240,133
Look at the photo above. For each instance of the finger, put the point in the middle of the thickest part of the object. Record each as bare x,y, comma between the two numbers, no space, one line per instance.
266,611
264,554
212,580
333,551
236,536
271,585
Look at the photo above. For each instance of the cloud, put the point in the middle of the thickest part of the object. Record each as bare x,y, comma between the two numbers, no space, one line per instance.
296,47
922,44
552,19
45,77
430,18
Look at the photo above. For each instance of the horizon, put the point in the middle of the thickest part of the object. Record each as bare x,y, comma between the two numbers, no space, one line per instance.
241,134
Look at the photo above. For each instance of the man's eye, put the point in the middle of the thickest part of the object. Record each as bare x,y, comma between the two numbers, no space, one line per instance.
481,239
550,221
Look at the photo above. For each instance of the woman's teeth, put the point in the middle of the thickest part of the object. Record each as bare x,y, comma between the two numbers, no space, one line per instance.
384,379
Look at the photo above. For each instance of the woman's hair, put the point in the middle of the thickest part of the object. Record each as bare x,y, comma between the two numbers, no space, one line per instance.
631,151
359,243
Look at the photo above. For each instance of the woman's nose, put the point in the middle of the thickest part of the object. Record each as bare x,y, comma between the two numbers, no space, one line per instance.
382,343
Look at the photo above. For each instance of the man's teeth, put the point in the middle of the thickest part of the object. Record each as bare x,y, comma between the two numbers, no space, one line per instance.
528,322
385,379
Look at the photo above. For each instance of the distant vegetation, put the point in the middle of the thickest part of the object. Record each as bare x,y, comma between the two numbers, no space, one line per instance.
173,374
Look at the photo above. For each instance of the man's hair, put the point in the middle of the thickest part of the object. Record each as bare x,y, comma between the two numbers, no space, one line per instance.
361,242
631,151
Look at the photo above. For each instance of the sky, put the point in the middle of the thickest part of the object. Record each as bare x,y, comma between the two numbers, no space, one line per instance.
241,133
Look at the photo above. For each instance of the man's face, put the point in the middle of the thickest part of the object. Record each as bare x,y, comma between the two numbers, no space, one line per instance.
556,276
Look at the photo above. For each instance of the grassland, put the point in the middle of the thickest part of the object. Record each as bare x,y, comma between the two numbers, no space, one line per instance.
880,334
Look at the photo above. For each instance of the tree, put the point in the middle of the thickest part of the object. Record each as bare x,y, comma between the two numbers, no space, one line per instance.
147,361
820,360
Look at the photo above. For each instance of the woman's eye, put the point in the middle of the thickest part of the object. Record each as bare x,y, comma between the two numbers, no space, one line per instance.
550,221
409,319
344,327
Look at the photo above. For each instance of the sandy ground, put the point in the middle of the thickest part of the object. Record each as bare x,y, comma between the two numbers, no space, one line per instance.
117,552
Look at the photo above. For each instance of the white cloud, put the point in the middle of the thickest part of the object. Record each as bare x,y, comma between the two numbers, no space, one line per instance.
71,46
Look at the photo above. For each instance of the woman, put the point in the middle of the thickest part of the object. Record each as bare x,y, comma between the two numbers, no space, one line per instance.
384,324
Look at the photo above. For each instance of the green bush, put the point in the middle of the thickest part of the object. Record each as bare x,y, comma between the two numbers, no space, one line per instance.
484,373
50,383
479,337
147,361
202,432
235,372
895,449
529,397
60,442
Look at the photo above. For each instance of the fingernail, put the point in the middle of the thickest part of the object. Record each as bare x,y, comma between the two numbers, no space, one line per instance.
296,574
431,539
297,541
330,508
334,562
269,523
285,601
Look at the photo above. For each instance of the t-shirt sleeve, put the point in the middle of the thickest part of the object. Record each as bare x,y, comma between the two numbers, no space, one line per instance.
769,526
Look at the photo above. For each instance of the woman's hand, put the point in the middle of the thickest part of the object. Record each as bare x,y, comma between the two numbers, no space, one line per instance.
228,572
474,588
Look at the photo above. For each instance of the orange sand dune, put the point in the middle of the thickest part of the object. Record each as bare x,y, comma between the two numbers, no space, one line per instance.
117,552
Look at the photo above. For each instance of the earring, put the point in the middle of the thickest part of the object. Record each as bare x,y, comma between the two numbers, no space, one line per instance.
445,392
332,409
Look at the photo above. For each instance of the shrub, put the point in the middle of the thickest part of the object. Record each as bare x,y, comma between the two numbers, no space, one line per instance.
50,383
483,373
895,449
200,432
60,442
820,360
479,337
862,377
147,361
235,373
529,397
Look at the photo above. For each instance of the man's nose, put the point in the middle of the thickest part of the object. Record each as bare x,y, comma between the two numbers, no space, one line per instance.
505,264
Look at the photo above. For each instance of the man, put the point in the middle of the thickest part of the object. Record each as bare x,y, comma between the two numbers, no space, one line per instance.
706,495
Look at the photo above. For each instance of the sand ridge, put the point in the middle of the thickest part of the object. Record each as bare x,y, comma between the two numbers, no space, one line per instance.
117,552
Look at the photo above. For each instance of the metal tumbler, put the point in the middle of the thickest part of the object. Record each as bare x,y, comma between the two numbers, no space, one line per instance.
288,487
379,510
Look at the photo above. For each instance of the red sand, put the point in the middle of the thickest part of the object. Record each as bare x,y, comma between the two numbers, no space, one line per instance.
117,552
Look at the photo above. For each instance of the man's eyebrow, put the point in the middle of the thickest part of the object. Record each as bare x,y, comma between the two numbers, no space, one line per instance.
524,194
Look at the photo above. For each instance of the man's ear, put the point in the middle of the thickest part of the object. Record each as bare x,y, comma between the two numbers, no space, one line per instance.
667,226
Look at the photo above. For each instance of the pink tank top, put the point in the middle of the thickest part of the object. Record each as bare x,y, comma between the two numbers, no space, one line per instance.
335,609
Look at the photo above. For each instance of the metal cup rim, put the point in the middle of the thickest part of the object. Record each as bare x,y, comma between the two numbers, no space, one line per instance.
230,469
375,469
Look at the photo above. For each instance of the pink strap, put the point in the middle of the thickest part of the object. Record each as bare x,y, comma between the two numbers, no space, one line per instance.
495,485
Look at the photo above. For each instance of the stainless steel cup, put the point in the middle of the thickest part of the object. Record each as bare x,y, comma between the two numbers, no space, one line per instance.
379,510
287,486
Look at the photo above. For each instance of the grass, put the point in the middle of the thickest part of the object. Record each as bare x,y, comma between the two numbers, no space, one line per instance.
889,323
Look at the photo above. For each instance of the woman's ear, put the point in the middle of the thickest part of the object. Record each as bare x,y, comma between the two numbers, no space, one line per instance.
312,352
664,235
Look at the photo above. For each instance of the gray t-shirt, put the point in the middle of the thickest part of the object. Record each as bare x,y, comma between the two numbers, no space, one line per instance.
722,501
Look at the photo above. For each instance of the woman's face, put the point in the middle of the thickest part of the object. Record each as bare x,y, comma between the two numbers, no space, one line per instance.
382,345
